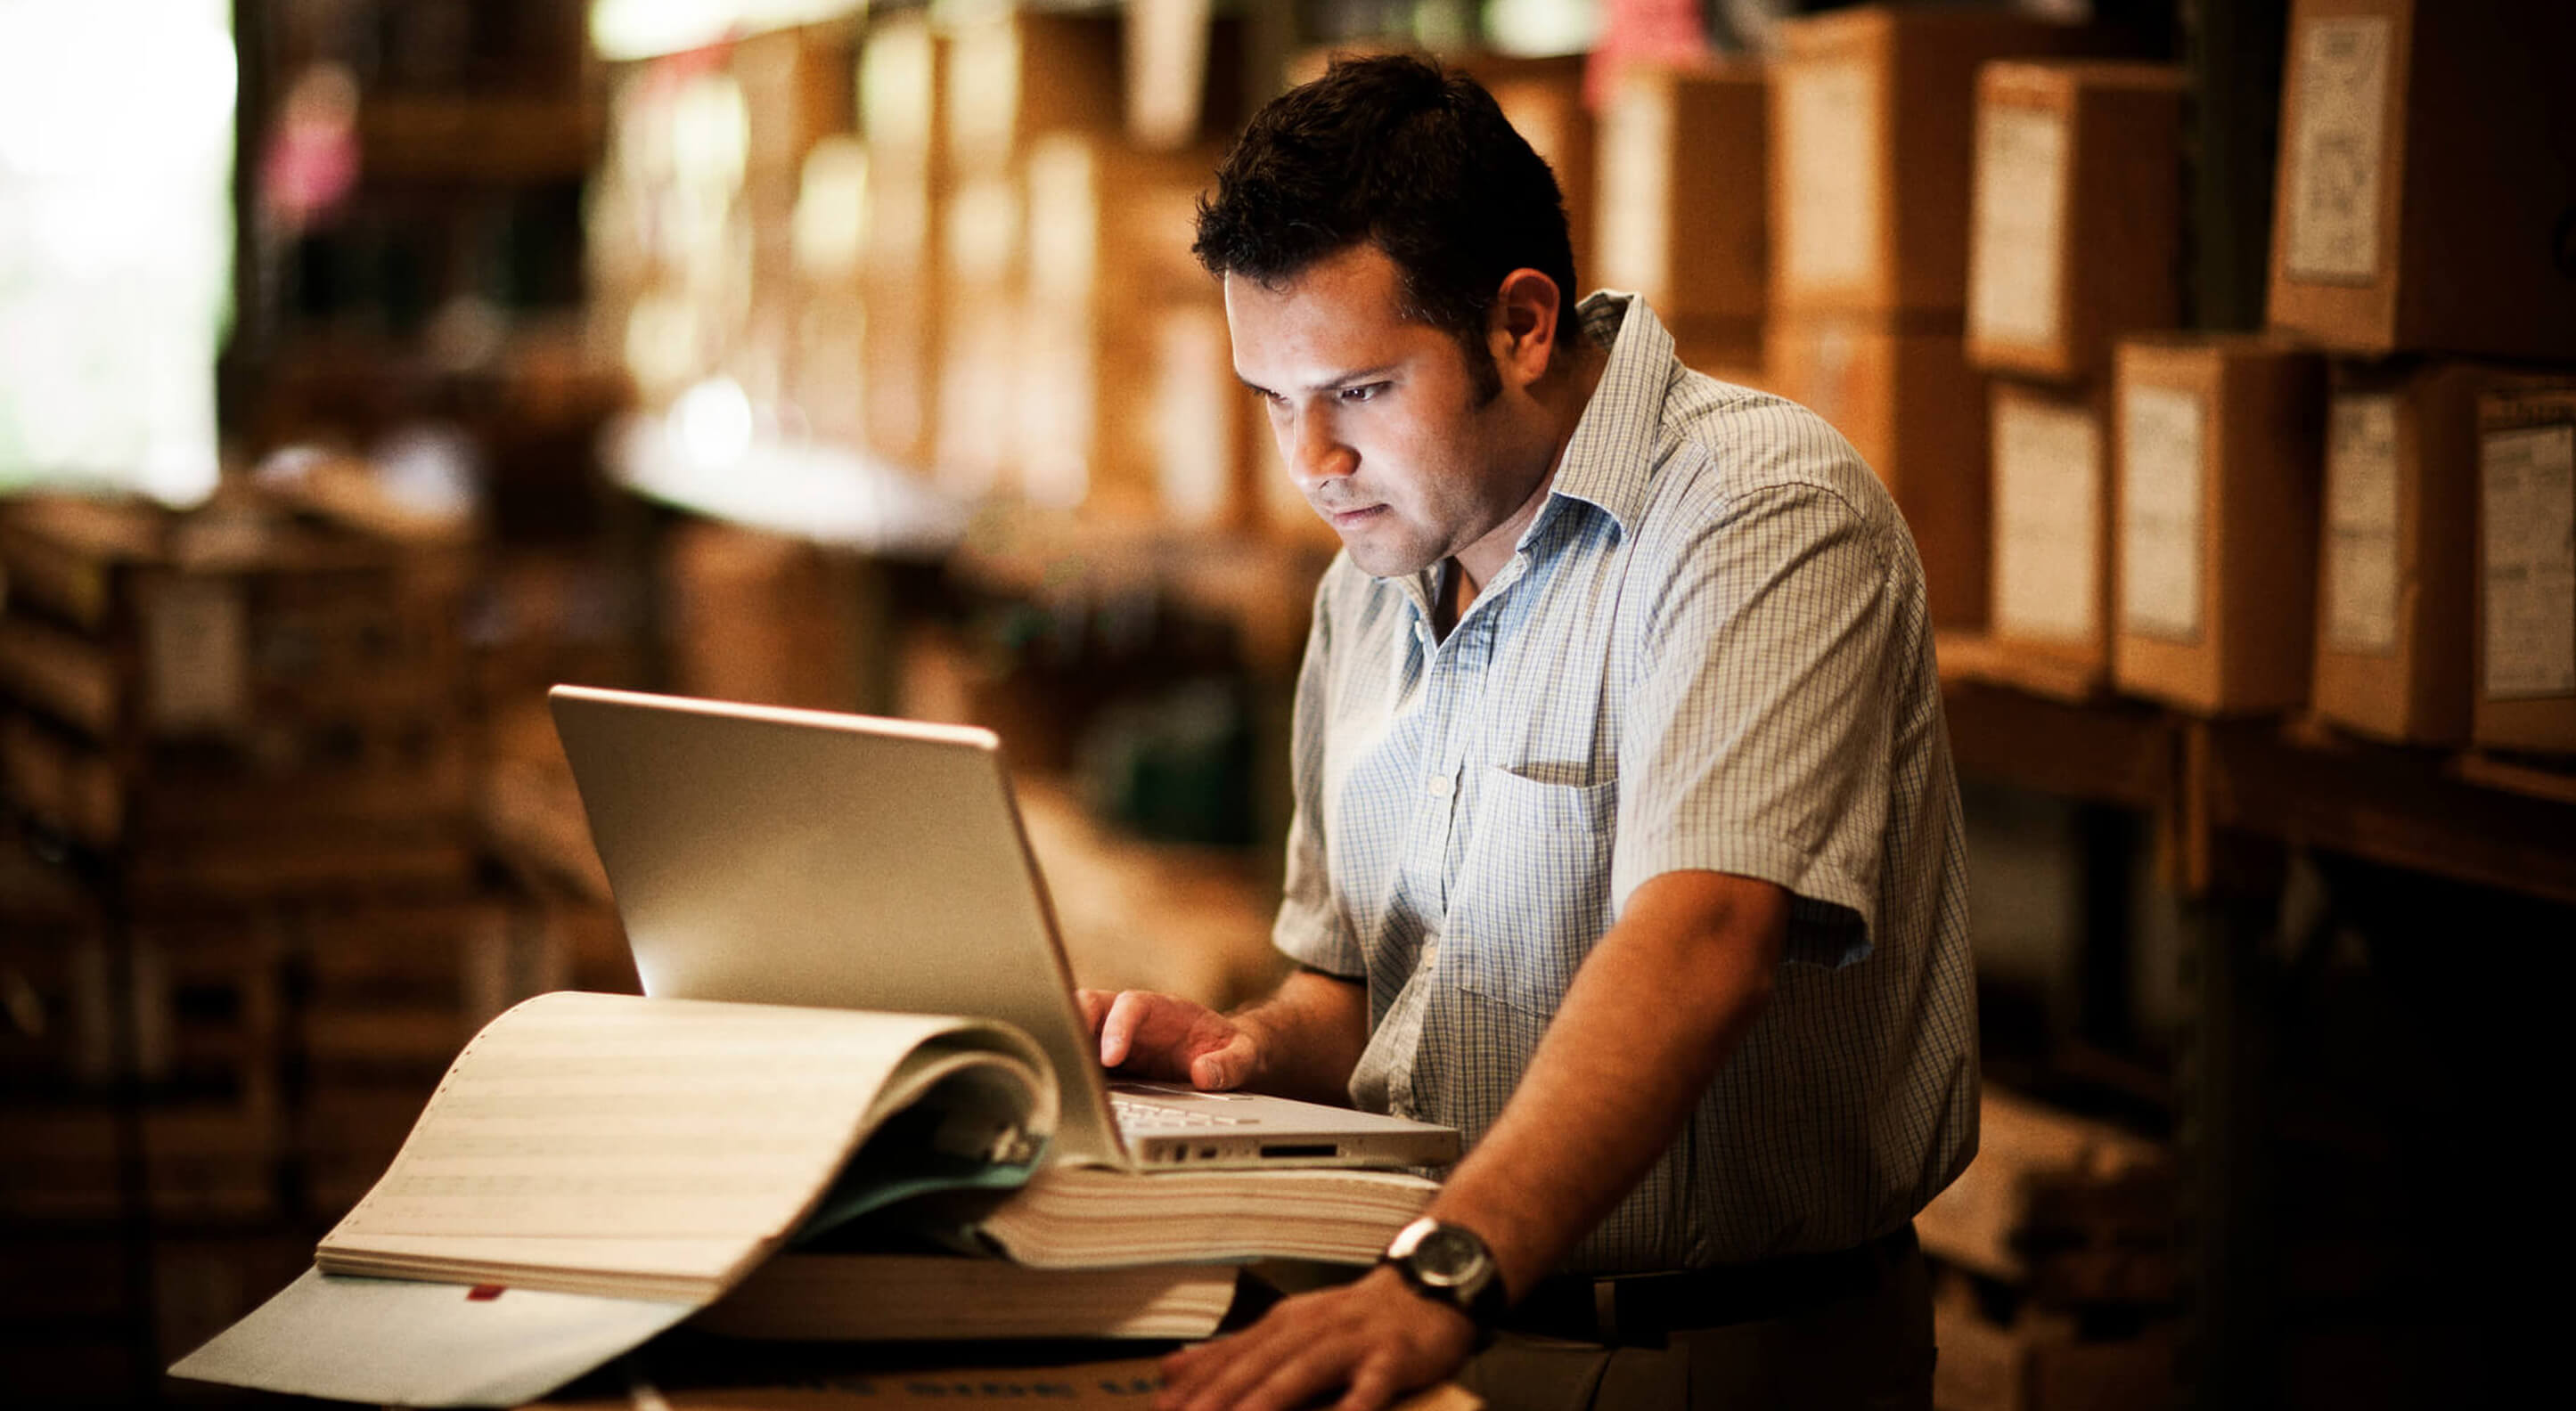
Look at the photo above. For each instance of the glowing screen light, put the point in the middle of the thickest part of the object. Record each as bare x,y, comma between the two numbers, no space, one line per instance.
116,152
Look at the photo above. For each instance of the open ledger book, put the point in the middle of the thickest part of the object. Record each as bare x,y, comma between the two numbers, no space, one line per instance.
616,1164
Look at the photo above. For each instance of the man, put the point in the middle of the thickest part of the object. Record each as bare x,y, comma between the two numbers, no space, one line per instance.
1626,838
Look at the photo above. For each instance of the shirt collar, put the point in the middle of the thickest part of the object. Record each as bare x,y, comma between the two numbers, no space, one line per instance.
1609,462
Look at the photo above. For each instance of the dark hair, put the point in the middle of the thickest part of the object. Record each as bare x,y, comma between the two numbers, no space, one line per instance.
1399,152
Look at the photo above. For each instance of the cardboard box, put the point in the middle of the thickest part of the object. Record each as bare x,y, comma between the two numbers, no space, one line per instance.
796,90
2526,569
2052,543
2218,448
2396,564
2076,230
1904,397
902,64
1011,76
983,264
1108,256
2426,156
1682,175
1872,135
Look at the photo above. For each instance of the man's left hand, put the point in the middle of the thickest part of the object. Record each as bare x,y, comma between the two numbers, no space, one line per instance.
1375,1339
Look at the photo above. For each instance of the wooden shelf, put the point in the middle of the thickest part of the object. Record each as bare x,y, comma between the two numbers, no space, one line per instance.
2466,817
2117,752
2405,808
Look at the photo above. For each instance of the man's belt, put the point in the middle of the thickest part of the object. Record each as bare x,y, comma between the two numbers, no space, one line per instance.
1639,1310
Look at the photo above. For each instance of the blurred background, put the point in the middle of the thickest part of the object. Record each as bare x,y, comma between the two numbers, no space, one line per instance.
367,366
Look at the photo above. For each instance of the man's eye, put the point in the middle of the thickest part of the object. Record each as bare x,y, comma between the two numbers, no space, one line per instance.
1365,392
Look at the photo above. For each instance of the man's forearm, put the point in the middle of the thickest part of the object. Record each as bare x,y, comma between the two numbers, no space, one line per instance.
1309,1034
1654,1011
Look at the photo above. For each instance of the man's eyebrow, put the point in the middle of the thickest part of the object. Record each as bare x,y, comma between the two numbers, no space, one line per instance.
1348,379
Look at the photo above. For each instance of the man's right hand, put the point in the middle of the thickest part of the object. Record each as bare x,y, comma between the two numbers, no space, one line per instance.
1168,1039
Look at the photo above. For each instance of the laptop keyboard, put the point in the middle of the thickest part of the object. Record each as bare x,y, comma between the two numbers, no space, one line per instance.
1137,1115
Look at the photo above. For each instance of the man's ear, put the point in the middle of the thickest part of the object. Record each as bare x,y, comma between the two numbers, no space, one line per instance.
1523,330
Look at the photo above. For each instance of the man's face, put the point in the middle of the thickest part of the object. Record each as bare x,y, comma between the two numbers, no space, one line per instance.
1377,416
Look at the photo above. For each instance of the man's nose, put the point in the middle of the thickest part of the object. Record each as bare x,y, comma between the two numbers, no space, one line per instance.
1315,454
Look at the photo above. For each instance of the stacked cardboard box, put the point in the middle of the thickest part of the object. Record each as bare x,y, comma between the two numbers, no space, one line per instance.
2526,571
2425,152
2417,219
1009,80
1872,131
2219,453
249,731
903,121
2396,562
1114,296
1682,170
2073,242
232,702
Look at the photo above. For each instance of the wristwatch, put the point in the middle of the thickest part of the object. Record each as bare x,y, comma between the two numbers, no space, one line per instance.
1450,1264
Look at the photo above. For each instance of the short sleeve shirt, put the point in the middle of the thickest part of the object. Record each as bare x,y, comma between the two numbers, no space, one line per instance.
1710,650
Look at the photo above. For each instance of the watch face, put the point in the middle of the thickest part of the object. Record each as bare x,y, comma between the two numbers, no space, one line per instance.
1449,1256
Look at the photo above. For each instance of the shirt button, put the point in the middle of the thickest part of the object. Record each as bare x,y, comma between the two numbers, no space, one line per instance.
1438,786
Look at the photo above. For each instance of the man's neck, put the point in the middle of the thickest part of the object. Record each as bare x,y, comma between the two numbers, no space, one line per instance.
1565,400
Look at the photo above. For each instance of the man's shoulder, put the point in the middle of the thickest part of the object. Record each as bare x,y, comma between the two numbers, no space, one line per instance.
1722,448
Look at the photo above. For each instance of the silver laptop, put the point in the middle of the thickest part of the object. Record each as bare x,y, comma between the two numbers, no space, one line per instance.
805,857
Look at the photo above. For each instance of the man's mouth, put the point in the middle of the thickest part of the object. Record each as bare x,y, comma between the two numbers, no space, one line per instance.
1347,518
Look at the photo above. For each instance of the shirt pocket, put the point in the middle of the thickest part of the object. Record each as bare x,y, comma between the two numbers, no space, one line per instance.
1533,888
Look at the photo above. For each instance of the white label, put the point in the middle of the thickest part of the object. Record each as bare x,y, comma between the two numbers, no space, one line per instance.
2016,276
1167,43
2048,522
1829,141
983,93
895,86
2529,505
196,647
1064,213
1635,212
1194,396
2361,590
2160,506
2342,88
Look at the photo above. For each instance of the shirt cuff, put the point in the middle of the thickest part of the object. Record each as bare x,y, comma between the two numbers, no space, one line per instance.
1834,928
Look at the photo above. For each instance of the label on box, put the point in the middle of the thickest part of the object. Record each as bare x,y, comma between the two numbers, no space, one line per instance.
196,655
1194,394
2161,459
2016,276
1167,45
1635,215
895,87
1829,143
2342,91
1064,201
2048,516
2527,480
2361,525
983,92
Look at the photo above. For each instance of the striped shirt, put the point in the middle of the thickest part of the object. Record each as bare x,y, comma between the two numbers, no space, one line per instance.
1710,650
